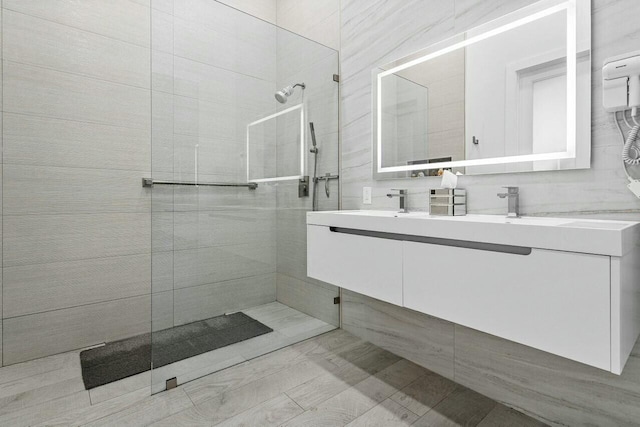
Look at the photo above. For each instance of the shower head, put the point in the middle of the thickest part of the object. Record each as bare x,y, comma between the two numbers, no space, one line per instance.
286,92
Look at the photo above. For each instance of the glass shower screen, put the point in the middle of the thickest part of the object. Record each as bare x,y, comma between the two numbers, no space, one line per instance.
229,276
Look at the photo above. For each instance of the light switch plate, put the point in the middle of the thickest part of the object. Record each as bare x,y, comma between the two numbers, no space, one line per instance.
366,195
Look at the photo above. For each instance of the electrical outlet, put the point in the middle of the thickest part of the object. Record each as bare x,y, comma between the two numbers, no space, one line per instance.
366,195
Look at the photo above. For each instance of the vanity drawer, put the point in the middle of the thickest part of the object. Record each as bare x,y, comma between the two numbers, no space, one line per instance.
367,265
555,301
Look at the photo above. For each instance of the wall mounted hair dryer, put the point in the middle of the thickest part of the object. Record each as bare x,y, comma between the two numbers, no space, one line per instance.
621,83
621,92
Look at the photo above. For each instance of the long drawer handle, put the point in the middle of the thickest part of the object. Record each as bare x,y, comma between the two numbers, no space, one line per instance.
481,246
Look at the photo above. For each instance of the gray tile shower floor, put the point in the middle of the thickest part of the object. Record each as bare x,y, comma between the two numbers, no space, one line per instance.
332,379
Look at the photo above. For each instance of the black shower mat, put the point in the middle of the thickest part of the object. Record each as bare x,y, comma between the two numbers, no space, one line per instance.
124,358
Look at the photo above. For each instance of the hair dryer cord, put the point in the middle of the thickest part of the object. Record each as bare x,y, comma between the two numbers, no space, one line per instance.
628,145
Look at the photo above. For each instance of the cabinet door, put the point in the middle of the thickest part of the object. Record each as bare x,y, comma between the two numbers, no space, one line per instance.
367,265
554,301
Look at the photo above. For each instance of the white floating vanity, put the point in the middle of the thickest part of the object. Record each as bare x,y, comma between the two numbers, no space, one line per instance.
566,286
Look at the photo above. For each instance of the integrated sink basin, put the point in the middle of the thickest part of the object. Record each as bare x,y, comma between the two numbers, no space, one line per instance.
567,286
606,237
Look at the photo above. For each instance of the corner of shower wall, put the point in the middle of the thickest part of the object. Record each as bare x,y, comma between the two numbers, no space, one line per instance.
301,59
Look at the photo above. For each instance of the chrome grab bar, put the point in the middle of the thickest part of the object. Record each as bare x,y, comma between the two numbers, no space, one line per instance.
150,182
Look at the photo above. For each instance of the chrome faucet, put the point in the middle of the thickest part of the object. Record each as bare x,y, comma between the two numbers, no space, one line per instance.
402,195
513,198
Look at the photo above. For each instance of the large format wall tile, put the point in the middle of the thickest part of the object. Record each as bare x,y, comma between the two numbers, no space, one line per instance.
423,339
162,310
316,20
292,242
51,190
201,229
35,239
264,9
44,287
162,137
222,157
44,141
38,335
207,82
193,117
165,6
223,19
311,297
161,31
162,271
125,20
252,56
43,92
557,390
209,300
194,267
36,41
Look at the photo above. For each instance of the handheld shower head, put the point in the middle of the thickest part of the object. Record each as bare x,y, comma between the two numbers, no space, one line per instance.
313,133
286,92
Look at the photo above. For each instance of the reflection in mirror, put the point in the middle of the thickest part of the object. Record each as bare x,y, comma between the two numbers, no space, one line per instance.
510,96
281,134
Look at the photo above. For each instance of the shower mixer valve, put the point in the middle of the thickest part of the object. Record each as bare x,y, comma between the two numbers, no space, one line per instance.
326,178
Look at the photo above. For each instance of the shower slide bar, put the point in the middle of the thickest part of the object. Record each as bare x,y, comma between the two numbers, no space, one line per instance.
150,182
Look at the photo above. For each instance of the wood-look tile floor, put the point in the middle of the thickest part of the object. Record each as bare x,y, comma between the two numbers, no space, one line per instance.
334,379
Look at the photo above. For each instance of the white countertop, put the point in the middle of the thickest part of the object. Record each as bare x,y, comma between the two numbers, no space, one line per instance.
603,237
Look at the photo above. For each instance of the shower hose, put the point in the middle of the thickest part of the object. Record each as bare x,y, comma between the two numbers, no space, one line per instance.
628,145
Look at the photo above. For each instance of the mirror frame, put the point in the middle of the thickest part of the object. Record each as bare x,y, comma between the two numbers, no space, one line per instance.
539,10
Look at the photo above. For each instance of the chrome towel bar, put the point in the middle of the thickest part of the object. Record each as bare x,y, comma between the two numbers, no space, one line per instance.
149,182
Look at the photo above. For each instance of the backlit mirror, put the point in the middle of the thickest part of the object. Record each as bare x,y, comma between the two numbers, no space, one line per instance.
513,95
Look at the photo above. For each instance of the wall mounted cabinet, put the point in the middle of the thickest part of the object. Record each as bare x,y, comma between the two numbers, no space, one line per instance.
576,296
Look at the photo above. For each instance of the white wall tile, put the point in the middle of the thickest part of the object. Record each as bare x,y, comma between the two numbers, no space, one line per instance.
43,92
314,299
253,56
53,190
161,31
264,9
194,267
316,20
422,339
162,271
162,310
209,300
40,42
165,6
556,390
34,239
36,288
125,20
39,335
228,16
201,229
30,140
162,71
